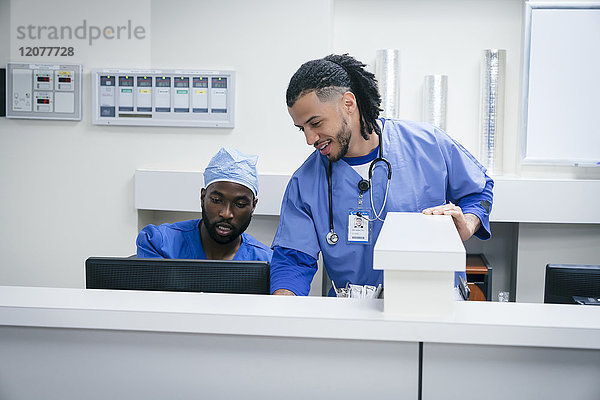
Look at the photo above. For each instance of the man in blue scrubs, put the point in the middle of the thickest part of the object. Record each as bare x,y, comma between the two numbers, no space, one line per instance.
335,102
228,201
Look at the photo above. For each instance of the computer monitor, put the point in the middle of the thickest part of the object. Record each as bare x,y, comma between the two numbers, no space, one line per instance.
214,276
563,281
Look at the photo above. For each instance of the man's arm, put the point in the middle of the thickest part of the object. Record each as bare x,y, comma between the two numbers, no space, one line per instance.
468,189
472,214
466,224
147,242
292,272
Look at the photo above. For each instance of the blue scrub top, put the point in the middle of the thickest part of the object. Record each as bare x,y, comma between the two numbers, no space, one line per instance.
182,240
428,169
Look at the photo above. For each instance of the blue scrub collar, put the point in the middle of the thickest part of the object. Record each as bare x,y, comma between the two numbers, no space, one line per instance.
362,159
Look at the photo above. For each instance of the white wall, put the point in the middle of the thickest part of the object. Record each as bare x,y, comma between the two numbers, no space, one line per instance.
440,37
447,37
66,188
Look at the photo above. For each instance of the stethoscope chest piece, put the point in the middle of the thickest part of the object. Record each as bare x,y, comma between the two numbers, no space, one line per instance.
332,238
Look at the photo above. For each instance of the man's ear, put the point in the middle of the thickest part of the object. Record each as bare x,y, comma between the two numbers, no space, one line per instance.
349,102
202,194
254,203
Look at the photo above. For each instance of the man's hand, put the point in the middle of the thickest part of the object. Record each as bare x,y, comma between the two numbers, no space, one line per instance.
283,292
466,224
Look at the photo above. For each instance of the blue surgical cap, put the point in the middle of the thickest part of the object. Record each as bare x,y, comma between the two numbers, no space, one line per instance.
230,165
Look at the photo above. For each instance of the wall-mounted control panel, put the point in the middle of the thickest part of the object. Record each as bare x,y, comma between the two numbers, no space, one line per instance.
163,97
43,91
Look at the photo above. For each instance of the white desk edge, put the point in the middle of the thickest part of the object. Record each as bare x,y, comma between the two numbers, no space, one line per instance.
485,323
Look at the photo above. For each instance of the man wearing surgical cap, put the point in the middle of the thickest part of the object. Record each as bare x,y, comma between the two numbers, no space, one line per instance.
228,200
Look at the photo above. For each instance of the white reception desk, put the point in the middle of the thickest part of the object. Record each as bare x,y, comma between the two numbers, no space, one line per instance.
98,344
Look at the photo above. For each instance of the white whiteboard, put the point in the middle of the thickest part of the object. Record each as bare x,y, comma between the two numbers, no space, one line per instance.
560,118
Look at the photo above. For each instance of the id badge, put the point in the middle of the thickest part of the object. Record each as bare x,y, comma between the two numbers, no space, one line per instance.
359,231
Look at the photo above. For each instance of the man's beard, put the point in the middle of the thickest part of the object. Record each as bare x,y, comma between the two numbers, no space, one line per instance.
343,139
235,231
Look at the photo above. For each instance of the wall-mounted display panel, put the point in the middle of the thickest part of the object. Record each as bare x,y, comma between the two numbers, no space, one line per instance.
163,97
43,91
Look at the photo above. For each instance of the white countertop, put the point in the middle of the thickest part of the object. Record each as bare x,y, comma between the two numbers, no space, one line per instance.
488,323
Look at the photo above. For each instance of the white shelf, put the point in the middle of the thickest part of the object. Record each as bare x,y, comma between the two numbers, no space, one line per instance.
515,200
546,201
180,191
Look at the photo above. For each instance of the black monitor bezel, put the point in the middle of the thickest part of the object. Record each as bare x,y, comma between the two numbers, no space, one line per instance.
576,285
177,275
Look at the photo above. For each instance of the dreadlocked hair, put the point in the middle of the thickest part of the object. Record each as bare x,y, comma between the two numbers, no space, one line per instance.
334,75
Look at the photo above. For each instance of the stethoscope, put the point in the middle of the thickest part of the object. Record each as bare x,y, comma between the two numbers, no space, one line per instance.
363,186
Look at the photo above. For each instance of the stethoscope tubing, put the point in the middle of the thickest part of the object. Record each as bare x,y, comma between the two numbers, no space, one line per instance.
332,237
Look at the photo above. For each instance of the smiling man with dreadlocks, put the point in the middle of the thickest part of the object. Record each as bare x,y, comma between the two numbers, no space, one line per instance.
363,167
